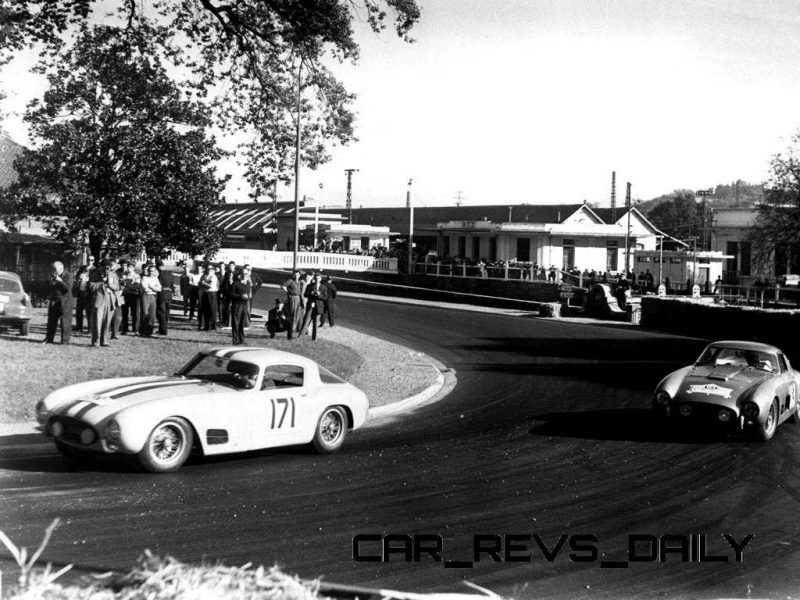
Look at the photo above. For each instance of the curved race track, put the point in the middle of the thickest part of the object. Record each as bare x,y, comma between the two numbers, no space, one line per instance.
547,433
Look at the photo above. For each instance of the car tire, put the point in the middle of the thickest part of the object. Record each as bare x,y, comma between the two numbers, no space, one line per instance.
23,328
795,418
767,429
331,430
168,446
74,454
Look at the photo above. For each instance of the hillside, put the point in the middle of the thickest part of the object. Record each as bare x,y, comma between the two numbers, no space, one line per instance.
733,195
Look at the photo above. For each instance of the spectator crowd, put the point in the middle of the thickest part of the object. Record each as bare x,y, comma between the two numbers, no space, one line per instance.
116,298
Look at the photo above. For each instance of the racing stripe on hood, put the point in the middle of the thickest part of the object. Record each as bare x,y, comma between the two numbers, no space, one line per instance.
84,409
229,353
148,386
70,405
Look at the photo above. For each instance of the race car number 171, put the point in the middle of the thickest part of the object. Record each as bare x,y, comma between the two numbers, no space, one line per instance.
281,406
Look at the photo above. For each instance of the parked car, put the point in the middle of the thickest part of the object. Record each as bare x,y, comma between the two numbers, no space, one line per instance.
744,386
223,400
15,304
789,280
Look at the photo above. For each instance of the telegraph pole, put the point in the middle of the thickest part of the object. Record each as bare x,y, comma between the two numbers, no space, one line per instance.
410,206
614,196
628,231
459,197
349,203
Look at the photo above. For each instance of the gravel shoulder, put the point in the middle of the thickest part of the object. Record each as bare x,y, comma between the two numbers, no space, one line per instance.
386,372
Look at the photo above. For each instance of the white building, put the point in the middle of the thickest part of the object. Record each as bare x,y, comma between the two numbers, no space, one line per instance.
574,238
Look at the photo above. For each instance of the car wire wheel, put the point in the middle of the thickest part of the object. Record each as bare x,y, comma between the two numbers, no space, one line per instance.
767,429
168,446
331,430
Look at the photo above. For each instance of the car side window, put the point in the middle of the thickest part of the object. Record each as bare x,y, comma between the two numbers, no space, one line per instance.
782,362
282,376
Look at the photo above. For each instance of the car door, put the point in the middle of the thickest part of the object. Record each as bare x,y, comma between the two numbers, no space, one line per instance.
279,406
787,387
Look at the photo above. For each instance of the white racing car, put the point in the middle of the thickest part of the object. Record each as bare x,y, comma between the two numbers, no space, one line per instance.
223,400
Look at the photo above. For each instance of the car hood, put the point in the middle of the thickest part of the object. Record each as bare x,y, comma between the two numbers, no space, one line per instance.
96,404
718,383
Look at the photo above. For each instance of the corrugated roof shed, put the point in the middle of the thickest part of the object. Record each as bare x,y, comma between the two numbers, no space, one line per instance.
428,217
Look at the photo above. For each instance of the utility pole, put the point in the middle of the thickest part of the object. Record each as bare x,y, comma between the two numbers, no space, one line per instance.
459,197
628,231
349,203
410,206
614,196
316,217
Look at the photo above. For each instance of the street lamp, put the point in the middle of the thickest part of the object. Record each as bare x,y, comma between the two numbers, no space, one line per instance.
410,205
316,217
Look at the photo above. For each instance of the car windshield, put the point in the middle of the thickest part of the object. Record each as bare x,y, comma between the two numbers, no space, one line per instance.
737,357
9,286
216,369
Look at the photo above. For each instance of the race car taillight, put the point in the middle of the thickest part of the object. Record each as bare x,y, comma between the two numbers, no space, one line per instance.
750,410
662,398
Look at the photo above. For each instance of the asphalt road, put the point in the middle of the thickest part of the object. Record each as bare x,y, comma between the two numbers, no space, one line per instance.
546,434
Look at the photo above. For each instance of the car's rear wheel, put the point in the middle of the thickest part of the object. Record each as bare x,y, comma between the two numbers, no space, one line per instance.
331,430
168,446
74,454
767,429
23,328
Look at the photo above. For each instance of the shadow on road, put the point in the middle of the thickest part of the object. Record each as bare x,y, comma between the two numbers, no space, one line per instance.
34,453
633,425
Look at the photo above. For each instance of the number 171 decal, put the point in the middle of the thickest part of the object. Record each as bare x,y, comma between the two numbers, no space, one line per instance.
281,406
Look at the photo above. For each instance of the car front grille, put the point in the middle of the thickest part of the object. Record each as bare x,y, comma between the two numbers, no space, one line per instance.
72,429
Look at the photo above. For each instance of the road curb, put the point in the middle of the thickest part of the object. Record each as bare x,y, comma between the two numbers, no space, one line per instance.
445,382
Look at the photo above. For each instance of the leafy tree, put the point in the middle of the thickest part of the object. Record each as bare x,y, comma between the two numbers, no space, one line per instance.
681,217
777,227
124,161
250,56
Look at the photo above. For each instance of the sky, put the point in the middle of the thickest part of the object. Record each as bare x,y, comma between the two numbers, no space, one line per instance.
538,101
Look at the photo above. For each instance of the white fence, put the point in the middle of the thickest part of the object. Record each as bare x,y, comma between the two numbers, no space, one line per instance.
319,261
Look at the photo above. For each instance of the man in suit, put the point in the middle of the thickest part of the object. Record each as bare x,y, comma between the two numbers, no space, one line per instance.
60,306
329,303
104,285
164,297
277,319
225,286
316,294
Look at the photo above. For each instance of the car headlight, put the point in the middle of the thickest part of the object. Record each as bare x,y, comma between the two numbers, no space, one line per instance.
750,410
42,414
57,429
112,431
88,435
663,398
685,410
724,415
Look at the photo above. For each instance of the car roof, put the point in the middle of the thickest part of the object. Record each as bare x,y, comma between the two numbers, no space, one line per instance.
260,356
744,345
9,275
